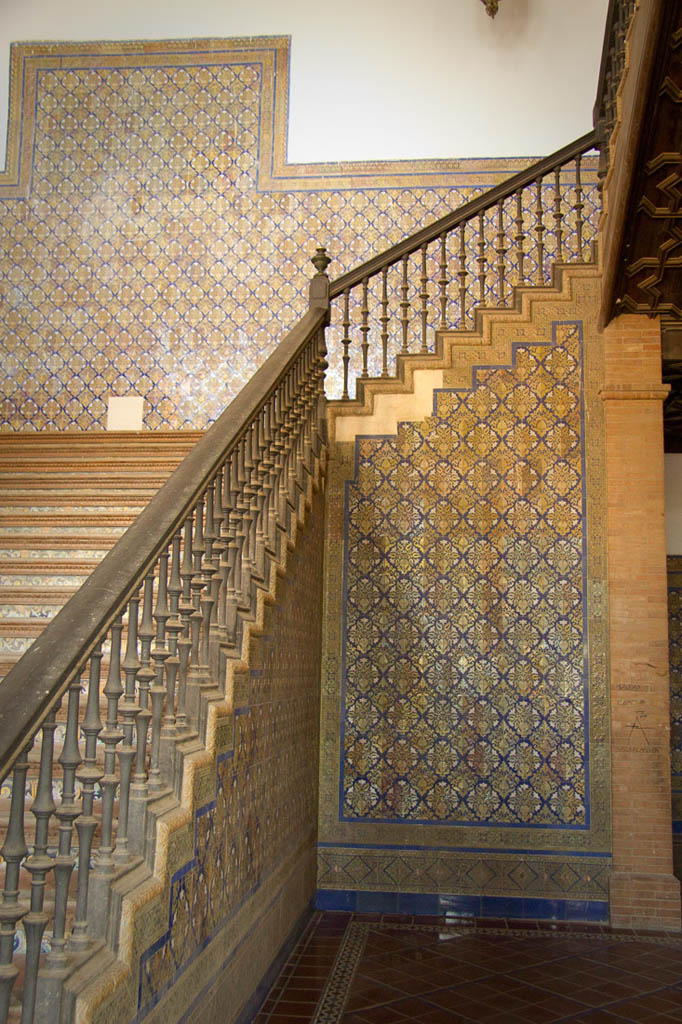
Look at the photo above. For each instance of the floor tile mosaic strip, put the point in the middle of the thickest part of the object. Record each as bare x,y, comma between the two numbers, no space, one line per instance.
475,971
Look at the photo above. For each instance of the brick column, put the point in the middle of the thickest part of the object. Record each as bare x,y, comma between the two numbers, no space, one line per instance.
644,892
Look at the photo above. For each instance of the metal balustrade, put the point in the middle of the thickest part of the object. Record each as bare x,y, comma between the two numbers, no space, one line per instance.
618,19
95,716
474,257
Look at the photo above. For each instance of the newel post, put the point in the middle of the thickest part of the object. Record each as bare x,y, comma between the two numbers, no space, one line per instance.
318,295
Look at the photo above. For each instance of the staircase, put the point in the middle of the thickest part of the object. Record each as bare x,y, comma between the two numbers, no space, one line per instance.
66,499
184,674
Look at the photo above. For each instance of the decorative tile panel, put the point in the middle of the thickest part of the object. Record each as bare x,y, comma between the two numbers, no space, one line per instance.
464,673
153,239
465,729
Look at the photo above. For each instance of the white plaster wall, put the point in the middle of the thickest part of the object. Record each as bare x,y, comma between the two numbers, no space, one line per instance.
673,503
379,79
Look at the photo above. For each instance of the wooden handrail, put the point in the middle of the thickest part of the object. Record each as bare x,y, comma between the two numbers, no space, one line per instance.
38,680
462,214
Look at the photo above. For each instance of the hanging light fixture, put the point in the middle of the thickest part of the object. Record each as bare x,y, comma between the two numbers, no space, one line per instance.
491,6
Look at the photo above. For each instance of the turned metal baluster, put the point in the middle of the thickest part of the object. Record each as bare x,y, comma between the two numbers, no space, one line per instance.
579,205
244,510
185,608
364,329
12,909
169,726
196,675
270,462
233,551
129,710
404,308
160,654
38,864
209,573
424,296
65,861
481,260
462,275
501,251
558,229
443,282
139,791
258,501
219,547
110,736
89,775
539,232
345,341
519,238
384,319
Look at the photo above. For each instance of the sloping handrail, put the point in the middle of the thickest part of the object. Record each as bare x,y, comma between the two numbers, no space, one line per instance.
463,213
39,678
394,303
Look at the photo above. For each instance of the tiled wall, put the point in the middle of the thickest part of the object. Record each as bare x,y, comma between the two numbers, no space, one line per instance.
153,238
238,871
473,757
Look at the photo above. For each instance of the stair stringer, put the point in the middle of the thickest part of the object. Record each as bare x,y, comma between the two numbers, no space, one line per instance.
382,403
225,971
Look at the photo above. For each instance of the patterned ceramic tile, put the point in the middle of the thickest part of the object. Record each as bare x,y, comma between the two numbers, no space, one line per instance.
153,240
464,693
464,729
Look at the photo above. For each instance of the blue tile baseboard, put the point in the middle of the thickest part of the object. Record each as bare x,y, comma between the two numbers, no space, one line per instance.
364,902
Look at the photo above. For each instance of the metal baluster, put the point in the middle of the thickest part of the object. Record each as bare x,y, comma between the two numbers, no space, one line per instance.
185,608
519,238
38,864
160,654
196,673
501,251
539,231
169,727
579,207
12,909
139,791
443,282
364,329
208,571
345,341
404,308
384,318
65,861
462,275
481,260
129,710
233,554
424,296
270,460
219,546
111,735
89,775
558,229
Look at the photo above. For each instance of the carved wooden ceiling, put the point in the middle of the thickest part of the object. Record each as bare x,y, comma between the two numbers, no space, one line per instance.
649,279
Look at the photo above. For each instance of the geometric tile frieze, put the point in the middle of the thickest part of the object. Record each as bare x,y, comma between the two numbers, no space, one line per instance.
468,873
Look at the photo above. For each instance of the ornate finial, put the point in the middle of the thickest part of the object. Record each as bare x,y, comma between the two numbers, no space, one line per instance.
491,6
320,260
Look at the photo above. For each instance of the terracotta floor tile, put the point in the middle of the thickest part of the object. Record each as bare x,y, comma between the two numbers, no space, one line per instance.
492,972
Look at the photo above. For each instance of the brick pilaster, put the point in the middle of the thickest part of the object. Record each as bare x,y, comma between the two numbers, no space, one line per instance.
644,892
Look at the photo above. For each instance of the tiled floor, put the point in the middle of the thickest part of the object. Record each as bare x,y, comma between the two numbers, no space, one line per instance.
374,969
